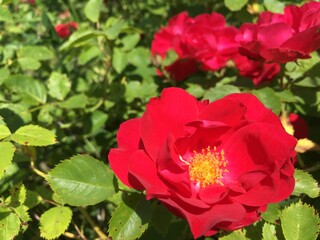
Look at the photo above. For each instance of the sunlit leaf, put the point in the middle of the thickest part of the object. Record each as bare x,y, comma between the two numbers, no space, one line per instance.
130,219
81,181
55,222
300,221
33,135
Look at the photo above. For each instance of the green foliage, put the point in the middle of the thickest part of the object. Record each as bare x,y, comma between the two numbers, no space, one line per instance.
235,235
306,184
299,221
131,218
80,188
54,222
269,232
32,135
235,5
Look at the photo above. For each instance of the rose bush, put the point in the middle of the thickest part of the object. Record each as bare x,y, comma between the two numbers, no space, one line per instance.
259,41
215,164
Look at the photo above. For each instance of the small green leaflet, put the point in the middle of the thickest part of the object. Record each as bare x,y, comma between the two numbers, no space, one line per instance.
306,184
300,221
59,85
235,235
55,222
81,181
235,5
33,135
7,150
131,218
4,132
10,224
219,92
92,10
269,232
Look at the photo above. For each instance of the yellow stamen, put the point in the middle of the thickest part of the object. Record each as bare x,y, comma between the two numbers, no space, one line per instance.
207,168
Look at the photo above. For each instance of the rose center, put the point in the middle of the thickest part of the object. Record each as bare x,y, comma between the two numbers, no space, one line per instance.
207,167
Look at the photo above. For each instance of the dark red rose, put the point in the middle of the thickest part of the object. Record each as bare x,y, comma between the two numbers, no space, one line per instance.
64,30
300,126
258,71
169,38
278,37
210,41
215,164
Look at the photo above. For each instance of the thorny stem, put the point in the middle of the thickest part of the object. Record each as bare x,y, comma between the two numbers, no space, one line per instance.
98,231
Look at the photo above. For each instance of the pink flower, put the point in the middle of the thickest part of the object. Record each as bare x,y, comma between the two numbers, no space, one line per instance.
215,164
258,71
278,37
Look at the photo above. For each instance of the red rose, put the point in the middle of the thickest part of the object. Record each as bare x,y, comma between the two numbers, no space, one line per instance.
209,41
299,125
169,38
258,71
215,164
64,30
277,37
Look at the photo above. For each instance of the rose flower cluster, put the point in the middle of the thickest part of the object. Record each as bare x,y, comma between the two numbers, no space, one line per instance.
207,43
218,164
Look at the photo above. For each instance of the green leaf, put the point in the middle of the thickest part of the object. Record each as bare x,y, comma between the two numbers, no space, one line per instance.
33,88
235,235
235,5
32,199
306,184
300,221
139,57
275,6
80,38
39,53
10,224
269,98
130,41
29,63
272,214
89,54
4,73
59,85
161,218
33,135
119,60
286,96
5,15
74,102
7,150
114,27
130,219
55,222
269,232
92,10
81,181
219,92
4,132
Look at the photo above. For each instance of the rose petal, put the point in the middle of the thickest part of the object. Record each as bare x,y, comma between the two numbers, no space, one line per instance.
165,115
